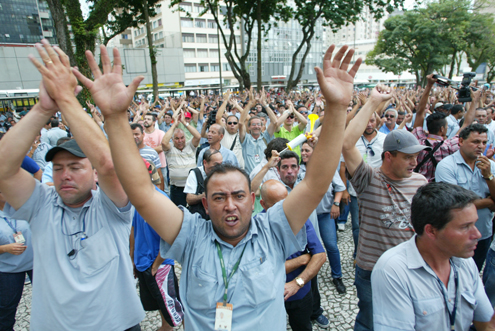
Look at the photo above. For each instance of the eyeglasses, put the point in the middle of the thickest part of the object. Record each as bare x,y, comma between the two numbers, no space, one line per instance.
389,116
231,123
304,112
291,116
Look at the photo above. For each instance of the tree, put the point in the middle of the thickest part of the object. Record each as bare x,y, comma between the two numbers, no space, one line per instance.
480,37
244,11
335,14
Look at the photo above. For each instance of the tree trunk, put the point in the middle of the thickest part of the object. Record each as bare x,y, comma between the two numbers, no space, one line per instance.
452,65
258,19
61,28
154,74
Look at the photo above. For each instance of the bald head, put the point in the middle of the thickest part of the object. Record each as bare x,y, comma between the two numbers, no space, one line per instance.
272,191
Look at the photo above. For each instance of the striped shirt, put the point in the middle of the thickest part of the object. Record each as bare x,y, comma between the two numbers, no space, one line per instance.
384,212
180,162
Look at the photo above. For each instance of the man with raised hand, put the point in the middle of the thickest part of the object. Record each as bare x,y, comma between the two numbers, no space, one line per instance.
384,197
251,280
80,231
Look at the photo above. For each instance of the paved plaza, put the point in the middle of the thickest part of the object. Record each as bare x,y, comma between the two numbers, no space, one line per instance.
341,310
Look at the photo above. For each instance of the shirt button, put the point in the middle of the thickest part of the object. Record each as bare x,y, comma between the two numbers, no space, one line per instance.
424,312
450,300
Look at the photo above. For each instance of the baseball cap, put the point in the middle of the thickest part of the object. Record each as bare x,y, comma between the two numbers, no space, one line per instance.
438,104
70,146
187,115
402,141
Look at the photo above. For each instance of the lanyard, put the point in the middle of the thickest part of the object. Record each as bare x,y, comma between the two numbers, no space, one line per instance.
456,284
224,273
13,227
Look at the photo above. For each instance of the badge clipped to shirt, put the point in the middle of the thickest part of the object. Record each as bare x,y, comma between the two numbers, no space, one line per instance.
19,238
365,158
223,317
257,158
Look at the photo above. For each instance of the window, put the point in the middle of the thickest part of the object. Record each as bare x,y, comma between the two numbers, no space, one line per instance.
186,23
214,53
189,53
185,6
155,24
158,9
202,52
190,68
201,38
160,22
215,67
203,67
213,38
200,23
198,8
135,33
226,67
212,24
187,38
160,35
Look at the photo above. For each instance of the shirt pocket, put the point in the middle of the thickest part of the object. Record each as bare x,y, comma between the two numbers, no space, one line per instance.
462,179
429,313
466,308
201,289
258,281
96,253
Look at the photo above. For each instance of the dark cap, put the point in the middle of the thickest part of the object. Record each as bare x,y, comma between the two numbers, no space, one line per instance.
70,146
402,141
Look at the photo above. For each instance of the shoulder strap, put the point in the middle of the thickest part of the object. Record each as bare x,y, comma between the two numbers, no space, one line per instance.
233,143
429,156
201,182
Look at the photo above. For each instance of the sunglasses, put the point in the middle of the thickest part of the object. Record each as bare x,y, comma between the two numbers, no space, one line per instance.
290,116
231,123
389,116
370,151
304,112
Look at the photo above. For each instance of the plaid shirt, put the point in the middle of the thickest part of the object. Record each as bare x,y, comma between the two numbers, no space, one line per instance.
450,146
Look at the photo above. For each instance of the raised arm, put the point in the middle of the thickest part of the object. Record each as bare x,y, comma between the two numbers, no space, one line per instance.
196,135
469,117
221,110
170,132
420,112
242,120
336,84
357,126
113,97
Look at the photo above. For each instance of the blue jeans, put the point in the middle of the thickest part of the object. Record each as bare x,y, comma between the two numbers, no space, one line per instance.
364,318
354,209
328,233
489,276
11,286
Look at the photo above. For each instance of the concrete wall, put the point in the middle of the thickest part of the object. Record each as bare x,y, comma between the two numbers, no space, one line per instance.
19,72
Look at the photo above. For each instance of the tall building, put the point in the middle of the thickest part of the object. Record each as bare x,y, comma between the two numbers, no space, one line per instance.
196,35
25,22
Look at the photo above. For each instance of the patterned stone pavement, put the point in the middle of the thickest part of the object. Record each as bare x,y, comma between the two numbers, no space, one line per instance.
341,310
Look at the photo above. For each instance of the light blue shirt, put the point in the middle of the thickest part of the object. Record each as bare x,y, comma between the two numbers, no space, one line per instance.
10,262
410,296
47,176
94,289
253,150
454,170
40,153
53,135
453,126
384,129
227,155
256,290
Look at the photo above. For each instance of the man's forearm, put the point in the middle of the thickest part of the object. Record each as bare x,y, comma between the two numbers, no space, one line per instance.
17,141
256,182
194,199
420,112
357,126
314,265
293,264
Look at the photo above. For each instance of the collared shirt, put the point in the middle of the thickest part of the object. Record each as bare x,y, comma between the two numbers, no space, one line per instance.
180,162
253,150
386,130
411,297
228,140
47,176
453,126
454,170
227,155
256,290
53,135
192,181
96,281
165,127
40,153
449,146
10,262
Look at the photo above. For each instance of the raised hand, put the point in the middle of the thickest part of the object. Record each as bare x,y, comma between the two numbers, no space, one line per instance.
381,93
335,82
108,89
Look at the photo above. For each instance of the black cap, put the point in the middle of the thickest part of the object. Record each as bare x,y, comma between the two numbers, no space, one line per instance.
70,146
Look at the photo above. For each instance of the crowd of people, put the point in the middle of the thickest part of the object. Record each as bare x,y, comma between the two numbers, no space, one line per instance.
250,218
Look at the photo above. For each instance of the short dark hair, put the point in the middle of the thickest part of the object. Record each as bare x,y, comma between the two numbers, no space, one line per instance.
152,115
209,153
288,155
135,126
400,112
277,144
253,118
54,122
433,203
479,128
225,168
435,122
62,140
394,153
456,109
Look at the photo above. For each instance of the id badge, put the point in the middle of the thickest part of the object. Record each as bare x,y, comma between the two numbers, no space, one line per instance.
19,238
365,158
223,317
257,158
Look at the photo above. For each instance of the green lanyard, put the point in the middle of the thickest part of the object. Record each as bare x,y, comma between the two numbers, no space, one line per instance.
224,273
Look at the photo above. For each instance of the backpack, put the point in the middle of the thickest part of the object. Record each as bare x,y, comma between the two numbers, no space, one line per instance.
198,208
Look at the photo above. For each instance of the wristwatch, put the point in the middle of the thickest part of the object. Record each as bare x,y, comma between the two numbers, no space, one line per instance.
489,177
300,282
335,203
